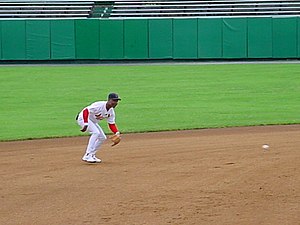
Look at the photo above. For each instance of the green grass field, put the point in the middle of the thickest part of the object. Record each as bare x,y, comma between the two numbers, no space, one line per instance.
42,101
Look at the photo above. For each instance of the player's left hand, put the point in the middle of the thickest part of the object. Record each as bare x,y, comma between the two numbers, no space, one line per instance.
116,138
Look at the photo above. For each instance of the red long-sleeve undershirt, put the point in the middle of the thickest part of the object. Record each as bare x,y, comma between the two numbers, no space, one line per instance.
85,115
112,127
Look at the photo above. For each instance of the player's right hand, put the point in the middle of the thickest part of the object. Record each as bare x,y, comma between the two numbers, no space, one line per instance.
84,128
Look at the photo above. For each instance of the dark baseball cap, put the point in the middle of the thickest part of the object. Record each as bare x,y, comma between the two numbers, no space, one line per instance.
113,96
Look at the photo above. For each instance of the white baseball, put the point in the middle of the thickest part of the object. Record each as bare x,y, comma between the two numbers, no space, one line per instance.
265,146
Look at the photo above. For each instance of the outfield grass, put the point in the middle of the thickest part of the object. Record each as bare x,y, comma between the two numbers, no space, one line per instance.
42,101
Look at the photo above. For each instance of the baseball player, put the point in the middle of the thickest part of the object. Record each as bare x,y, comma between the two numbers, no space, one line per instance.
88,120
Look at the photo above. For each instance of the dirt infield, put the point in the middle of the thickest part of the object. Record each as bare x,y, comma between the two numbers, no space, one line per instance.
213,176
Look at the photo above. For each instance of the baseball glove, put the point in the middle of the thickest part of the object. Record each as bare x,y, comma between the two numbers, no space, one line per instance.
115,139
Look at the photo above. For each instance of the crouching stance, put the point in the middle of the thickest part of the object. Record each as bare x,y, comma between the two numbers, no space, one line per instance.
88,120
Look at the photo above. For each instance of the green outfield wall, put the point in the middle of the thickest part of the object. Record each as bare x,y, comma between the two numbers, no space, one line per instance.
202,38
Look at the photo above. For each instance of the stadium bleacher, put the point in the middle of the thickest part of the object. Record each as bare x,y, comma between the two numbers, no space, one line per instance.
54,8
204,8
146,8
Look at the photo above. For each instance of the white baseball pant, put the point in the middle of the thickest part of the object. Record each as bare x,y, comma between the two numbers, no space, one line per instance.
97,135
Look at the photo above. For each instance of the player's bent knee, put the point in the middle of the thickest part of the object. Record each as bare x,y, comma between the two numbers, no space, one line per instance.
99,136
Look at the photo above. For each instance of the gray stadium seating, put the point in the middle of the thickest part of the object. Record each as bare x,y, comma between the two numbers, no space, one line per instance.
146,8
205,8
53,8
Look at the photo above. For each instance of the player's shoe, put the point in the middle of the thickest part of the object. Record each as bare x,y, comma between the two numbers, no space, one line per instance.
85,157
97,159
88,158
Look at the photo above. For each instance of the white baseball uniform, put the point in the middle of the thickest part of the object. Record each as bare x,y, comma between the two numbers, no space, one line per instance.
96,112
